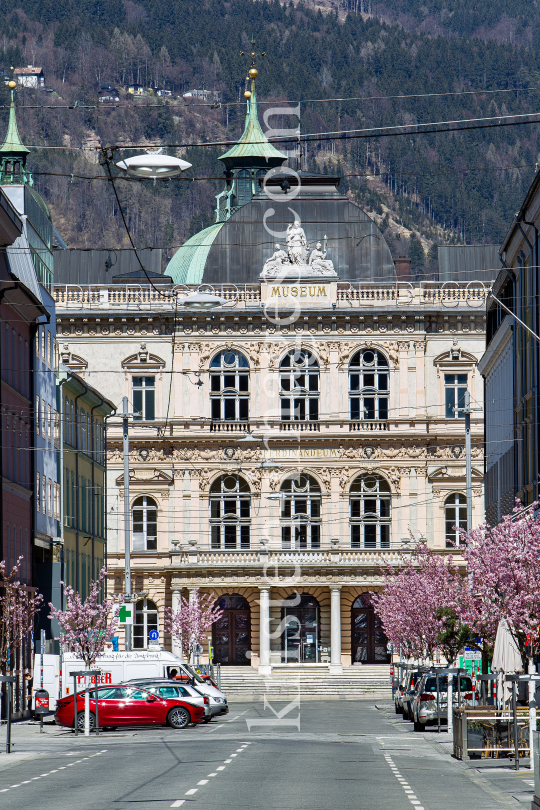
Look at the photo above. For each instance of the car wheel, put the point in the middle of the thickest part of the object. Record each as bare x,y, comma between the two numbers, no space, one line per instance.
178,717
418,726
80,721
110,728
207,719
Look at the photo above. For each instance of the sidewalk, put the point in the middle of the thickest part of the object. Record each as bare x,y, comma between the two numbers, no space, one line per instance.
497,777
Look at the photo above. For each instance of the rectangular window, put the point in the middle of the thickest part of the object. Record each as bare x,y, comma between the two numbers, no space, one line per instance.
49,353
455,386
43,494
49,424
37,416
38,494
216,540
82,424
144,398
57,501
285,537
82,490
50,497
244,536
73,496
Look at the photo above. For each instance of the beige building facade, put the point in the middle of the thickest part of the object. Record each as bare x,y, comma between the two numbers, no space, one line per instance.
279,462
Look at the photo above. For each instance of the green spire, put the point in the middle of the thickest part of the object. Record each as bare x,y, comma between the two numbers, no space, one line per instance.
13,152
13,144
253,147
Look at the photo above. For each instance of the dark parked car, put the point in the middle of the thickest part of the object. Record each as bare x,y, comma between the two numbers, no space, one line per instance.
413,677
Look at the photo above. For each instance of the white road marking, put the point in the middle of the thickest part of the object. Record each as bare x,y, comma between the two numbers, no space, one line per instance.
228,761
409,792
220,768
212,774
191,792
178,803
203,782
61,768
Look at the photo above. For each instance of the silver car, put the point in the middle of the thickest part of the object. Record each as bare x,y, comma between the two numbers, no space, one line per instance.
424,706
169,689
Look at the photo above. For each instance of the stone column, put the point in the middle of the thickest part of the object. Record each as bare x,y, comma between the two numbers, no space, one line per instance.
264,636
335,630
176,645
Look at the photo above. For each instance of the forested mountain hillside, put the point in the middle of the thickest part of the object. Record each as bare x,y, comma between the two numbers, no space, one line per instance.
338,62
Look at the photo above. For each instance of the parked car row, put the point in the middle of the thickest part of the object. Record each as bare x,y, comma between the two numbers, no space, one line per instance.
416,696
144,702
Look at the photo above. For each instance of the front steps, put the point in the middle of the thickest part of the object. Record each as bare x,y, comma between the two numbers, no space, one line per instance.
309,682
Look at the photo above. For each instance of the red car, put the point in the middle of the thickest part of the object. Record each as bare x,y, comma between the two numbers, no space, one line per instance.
128,706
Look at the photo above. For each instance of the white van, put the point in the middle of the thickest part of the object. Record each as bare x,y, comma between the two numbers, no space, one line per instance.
118,667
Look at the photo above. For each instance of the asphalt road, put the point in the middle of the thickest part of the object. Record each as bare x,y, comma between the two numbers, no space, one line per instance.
311,756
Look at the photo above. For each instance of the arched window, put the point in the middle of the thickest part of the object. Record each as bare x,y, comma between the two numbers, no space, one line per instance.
301,513
145,524
455,518
230,510
299,386
146,620
243,187
370,512
229,386
368,385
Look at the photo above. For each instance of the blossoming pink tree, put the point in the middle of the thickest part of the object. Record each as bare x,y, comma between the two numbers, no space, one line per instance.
192,620
503,565
18,608
87,626
412,597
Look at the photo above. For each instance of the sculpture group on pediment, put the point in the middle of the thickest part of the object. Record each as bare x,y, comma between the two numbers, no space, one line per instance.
349,452
297,261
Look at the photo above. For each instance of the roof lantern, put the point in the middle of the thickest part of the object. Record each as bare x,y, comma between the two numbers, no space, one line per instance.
13,152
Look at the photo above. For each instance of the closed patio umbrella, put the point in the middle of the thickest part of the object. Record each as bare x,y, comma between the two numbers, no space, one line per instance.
506,657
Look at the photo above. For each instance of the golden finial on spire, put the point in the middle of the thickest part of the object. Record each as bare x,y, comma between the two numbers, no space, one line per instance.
252,72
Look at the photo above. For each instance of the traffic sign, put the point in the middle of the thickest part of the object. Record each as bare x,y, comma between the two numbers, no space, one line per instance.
125,614
153,635
472,655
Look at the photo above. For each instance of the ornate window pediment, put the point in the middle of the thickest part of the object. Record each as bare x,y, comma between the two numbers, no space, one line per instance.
455,357
143,360
147,477
450,475
72,361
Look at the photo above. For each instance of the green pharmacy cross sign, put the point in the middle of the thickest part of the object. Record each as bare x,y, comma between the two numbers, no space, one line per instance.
125,614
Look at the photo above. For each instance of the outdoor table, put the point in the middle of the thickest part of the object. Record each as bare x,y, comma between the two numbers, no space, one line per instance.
486,731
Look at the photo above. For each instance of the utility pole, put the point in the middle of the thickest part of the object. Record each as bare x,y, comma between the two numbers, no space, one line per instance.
467,410
127,541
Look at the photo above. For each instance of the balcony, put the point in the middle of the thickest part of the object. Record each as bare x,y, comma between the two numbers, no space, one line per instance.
319,558
350,295
363,425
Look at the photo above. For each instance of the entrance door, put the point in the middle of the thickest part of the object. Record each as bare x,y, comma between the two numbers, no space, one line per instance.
369,641
301,636
231,634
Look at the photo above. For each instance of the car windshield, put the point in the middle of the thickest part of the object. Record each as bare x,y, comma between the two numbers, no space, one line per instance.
431,684
193,673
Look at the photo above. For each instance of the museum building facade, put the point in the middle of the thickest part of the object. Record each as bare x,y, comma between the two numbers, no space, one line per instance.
292,441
